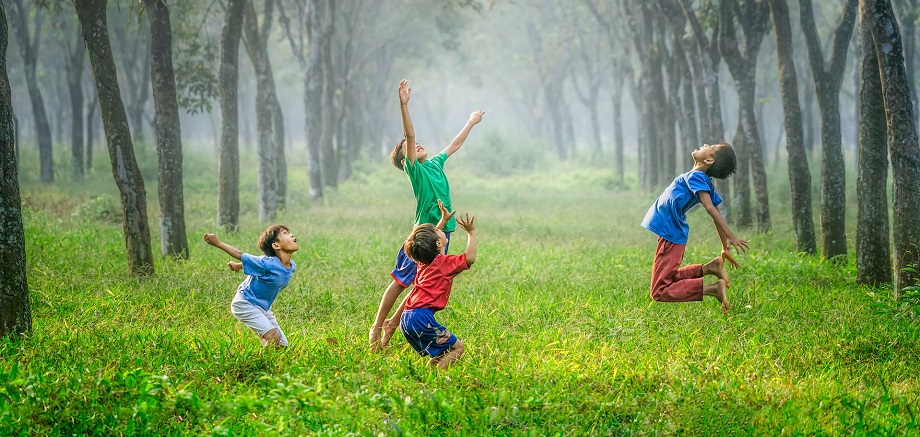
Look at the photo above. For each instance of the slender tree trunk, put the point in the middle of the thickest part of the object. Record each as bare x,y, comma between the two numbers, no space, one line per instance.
316,22
873,242
173,241
618,167
118,136
828,77
902,141
258,54
228,188
799,173
75,84
90,132
28,48
15,315
333,106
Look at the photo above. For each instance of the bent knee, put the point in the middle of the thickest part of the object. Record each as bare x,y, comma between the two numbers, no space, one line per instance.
273,336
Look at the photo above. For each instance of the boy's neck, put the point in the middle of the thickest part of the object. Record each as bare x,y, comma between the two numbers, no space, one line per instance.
284,257
700,166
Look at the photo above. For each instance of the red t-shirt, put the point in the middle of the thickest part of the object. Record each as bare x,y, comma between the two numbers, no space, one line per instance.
433,281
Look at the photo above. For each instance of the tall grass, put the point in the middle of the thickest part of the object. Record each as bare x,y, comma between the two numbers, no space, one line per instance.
562,338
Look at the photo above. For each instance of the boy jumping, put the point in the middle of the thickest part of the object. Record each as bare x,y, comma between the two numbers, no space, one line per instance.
429,184
667,217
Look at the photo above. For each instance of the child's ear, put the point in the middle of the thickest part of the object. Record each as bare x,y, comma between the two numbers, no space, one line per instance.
276,245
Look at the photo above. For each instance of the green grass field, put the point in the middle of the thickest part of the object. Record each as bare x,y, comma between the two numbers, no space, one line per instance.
562,337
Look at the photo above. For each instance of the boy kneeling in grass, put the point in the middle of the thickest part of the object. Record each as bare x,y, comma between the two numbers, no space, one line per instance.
427,246
266,276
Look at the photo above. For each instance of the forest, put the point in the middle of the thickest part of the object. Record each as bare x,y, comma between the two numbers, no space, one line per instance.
127,124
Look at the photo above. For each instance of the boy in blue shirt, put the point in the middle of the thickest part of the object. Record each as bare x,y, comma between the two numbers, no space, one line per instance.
266,276
667,218
430,186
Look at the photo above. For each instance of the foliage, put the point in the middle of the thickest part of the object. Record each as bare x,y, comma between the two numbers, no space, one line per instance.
497,154
102,208
905,308
562,338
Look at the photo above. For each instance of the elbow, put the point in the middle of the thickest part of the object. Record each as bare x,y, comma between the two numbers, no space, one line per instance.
470,260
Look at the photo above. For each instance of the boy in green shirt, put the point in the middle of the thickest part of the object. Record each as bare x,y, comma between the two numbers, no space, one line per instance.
429,184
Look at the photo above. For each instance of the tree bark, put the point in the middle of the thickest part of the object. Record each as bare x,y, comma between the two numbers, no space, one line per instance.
799,173
75,62
873,241
902,141
228,187
173,241
28,48
90,131
316,24
15,315
118,136
828,77
743,67
265,84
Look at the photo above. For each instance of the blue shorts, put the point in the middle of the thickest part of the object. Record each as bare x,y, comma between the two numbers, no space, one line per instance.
424,333
404,271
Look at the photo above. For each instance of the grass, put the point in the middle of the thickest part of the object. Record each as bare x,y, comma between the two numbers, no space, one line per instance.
562,337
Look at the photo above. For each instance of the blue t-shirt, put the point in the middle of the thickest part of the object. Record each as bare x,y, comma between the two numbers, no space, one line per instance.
667,217
265,278
429,183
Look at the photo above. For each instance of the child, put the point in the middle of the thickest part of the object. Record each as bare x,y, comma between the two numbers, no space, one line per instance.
266,276
427,245
667,218
429,184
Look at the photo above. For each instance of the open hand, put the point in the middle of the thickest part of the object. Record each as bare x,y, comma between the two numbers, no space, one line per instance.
727,256
466,222
404,92
738,244
445,214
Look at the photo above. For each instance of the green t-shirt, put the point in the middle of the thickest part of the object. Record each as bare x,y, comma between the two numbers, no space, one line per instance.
429,183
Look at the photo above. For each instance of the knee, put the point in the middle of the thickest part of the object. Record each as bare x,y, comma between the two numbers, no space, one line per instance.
458,347
273,337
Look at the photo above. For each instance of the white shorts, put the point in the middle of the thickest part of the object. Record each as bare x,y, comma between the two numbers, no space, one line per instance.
259,320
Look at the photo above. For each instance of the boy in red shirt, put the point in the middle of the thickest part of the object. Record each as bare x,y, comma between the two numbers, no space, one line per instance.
427,246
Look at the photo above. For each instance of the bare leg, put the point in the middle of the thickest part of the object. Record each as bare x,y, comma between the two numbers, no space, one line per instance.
386,304
392,324
717,290
444,360
272,339
717,267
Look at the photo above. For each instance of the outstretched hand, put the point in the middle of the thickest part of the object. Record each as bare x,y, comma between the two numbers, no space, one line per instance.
405,92
727,256
466,222
445,214
476,116
211,239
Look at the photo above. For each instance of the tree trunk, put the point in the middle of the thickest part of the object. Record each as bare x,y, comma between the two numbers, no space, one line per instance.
228,188
618,167
873,241
15,315
743,67
799,173
90,132
902,141
127,175
75,62
316,22
28,48
828,76
265,84
173,241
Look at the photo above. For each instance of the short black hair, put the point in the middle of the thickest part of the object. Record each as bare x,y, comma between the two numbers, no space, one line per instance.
724,161
397,155
422,244
269,237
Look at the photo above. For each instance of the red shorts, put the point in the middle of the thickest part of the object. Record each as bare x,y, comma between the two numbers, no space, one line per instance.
670,282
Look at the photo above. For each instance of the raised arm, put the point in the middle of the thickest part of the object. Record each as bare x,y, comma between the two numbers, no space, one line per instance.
214,241
467,224
475,118
729,240
405,92
445,215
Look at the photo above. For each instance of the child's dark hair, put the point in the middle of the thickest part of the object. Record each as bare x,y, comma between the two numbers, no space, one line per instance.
269,237
397,155
724,161
422,244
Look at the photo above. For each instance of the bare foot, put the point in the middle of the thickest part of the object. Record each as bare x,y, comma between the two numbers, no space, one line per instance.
717,290
717,267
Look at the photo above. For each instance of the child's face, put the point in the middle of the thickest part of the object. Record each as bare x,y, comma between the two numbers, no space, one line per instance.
420,153
286,242
705,153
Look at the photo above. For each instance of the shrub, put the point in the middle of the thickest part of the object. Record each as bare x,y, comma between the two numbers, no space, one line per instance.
102,208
